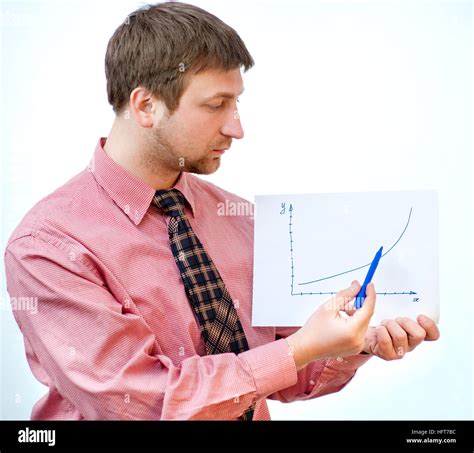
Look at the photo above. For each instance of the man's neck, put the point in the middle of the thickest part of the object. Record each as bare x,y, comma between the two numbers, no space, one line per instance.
124,148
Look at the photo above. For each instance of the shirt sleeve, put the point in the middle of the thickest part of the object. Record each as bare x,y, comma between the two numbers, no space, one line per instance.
320,377
106,361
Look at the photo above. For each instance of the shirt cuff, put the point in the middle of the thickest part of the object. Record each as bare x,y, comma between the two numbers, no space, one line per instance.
347,363
272,366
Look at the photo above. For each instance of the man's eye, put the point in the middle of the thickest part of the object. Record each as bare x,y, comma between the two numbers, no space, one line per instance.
215,107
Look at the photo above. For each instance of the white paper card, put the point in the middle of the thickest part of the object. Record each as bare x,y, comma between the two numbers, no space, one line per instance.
308,247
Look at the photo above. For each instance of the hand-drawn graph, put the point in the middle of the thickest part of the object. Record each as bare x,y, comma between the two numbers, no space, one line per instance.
311,293
308,247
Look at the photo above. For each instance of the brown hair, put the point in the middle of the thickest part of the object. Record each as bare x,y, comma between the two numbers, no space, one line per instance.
157,46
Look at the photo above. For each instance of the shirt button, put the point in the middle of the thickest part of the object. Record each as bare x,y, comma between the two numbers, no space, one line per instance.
340,359
311,382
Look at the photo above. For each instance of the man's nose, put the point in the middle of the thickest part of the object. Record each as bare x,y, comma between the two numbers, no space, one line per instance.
233,127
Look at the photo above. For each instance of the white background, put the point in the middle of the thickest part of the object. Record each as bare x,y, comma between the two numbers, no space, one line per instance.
345,96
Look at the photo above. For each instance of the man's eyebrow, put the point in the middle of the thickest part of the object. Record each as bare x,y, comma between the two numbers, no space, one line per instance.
222,94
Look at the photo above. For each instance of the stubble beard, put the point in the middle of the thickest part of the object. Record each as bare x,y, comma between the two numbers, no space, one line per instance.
161,154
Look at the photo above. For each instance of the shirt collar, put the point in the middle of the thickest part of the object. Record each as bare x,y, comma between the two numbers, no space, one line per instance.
131,194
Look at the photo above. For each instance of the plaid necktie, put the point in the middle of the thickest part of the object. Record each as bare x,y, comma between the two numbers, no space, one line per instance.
205,289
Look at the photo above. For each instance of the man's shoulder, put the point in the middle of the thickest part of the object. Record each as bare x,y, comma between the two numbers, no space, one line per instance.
58,207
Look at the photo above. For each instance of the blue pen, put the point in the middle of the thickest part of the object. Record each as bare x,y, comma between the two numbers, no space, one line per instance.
361,295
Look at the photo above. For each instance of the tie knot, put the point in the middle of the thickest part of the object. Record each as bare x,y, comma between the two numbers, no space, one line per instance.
170,201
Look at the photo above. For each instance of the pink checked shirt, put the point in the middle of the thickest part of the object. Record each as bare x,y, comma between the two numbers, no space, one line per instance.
114,336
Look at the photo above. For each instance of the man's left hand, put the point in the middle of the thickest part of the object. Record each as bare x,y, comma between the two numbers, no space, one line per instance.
393,338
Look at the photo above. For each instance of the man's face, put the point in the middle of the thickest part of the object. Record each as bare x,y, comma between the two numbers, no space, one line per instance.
193,138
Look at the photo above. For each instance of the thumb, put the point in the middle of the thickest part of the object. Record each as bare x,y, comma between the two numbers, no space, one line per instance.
368,306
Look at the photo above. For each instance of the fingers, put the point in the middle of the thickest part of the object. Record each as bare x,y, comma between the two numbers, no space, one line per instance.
431,329
384,346
398,335
341,300
370,341
348,294
416,333
368,306
349,309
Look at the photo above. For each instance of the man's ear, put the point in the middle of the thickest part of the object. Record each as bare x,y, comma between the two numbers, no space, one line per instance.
146,108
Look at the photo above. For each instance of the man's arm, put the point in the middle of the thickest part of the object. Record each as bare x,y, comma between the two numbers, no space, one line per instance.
106,361
389,341
320,377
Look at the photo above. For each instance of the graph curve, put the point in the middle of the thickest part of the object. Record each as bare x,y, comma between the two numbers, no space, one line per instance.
365,265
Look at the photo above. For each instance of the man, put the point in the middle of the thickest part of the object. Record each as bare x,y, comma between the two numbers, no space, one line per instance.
144,292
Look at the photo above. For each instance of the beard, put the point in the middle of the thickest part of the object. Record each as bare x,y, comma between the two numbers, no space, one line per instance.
168,151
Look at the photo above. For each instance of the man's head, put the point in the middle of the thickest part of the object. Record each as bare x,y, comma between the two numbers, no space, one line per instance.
173,71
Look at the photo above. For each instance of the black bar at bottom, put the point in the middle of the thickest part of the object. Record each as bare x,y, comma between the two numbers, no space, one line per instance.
224,436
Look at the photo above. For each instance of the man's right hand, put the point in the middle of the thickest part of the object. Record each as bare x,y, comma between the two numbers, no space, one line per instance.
328,333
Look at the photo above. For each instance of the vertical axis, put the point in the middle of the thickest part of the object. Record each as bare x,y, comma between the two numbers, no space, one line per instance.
291,249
